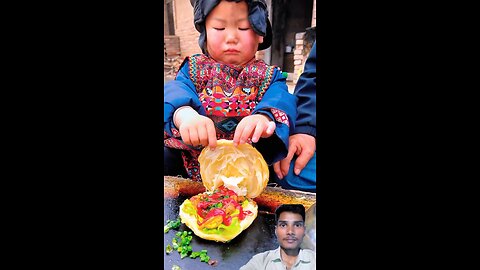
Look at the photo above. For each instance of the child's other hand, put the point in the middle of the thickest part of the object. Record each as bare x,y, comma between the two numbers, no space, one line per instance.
254,127
195,129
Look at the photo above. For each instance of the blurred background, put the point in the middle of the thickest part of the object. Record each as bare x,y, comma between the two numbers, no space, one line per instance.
293,27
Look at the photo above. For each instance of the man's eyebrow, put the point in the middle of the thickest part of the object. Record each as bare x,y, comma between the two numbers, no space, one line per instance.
286,221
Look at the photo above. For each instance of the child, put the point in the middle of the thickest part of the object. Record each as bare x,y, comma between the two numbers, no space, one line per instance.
225,93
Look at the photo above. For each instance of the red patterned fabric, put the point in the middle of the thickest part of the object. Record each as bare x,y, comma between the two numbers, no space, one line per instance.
280,116
228,93
229,90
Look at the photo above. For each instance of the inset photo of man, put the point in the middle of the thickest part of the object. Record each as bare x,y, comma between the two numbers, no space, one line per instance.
290,230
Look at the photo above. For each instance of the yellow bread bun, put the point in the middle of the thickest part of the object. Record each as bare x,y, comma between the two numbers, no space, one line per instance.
191,222
239,168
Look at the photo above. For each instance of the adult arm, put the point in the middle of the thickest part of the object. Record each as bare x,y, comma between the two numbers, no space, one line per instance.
303,140
306,92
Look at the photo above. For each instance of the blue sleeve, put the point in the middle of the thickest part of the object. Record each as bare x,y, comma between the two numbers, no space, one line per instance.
177,93
275,147
305,91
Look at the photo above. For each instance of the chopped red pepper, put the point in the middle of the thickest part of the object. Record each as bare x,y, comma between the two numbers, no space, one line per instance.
227,221
222,202
216,212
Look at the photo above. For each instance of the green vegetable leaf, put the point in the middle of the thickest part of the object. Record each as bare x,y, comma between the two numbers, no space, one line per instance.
176,267
168,249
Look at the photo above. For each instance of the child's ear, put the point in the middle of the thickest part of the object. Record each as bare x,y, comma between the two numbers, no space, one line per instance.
260,39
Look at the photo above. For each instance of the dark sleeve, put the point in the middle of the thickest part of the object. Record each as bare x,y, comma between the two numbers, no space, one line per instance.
177,93
305,91
280,106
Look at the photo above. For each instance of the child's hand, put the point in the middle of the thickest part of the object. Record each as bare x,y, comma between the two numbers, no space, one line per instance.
253,126
195,129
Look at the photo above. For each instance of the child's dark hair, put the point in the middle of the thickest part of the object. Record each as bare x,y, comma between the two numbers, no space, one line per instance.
294,208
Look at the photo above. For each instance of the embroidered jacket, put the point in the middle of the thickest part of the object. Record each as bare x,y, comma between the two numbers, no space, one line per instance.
227,93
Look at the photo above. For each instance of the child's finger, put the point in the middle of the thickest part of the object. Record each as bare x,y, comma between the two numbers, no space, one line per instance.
212,135
270,129
259,129
202,135
193,136
246,133
237,134
185,135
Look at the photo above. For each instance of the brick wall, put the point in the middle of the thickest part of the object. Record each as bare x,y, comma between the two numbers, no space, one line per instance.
303,47
171,46
298,58
188,35
185,29
314,13
165,21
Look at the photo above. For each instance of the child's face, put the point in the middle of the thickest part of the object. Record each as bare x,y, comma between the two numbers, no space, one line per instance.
230,38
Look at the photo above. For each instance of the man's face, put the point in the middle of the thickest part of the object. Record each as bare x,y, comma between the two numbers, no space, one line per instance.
290,230
230,38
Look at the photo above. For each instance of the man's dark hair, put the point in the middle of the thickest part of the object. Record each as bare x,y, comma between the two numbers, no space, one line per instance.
294,208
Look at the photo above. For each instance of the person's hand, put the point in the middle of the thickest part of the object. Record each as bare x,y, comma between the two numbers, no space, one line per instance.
304,146
253,127
195,129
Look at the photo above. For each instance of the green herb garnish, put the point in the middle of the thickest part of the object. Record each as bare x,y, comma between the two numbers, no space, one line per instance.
215,205
172,224
168,249
181,243
203,255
